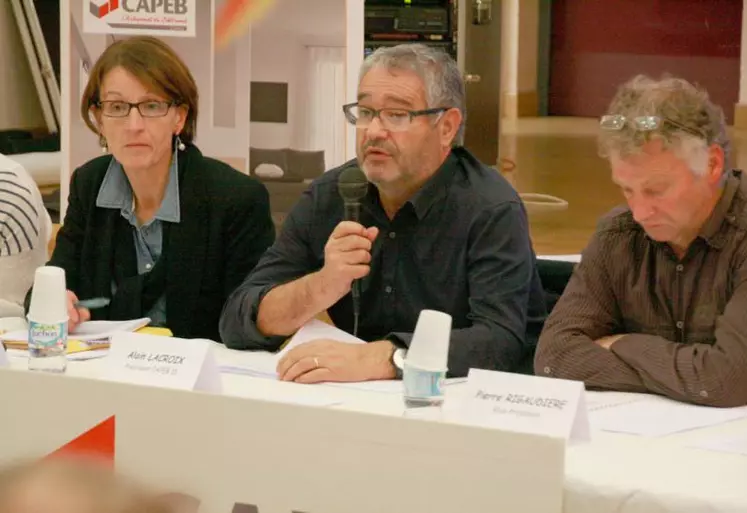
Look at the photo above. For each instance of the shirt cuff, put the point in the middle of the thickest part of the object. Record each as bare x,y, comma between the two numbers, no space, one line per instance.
239,322
400,340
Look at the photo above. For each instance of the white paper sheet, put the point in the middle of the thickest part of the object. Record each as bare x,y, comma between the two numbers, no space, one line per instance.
596,400
247,371
562,258
658,416
314,330
729,444
75,357
87,331
389,386
264,365
96,330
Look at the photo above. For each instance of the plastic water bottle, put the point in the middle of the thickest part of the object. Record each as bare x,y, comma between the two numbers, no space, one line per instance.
48,321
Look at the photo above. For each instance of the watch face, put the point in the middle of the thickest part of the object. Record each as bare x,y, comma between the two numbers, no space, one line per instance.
399,358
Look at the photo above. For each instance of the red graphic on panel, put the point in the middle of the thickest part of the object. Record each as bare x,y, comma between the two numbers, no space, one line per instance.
100,8
97,441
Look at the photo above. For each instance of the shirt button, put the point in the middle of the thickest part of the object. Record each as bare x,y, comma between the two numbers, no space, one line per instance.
388,289
703,393
546,370
680,268
149,266
392,235
680,325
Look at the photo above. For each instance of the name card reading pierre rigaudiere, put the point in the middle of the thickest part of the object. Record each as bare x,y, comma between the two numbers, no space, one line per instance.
166,362
528,404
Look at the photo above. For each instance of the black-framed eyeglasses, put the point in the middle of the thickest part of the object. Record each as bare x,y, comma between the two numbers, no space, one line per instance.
392,119
147,109
616,122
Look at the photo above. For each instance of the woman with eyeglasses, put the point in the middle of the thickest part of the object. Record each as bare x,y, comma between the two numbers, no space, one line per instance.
153,225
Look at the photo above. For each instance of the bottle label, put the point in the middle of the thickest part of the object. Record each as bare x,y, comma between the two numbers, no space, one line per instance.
422,384
47,339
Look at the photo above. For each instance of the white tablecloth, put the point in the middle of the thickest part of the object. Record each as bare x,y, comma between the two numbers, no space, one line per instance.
614,473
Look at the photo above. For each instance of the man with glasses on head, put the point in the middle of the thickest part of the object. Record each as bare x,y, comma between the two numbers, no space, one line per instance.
657,303
438,230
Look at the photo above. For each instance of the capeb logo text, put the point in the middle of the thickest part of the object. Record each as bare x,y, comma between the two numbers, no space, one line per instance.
101,8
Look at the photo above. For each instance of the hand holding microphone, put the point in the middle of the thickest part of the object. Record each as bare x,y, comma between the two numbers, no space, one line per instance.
347,254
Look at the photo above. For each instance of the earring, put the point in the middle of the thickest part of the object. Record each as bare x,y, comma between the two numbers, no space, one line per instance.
103,144
179,144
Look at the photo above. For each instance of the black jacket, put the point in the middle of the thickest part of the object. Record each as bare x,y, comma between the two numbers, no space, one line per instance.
225,228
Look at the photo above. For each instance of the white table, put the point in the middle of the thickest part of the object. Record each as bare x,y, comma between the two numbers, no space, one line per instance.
613,473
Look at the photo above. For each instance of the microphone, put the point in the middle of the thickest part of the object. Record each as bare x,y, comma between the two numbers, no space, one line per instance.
353,186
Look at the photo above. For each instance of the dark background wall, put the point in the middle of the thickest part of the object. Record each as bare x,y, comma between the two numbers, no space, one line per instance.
597,44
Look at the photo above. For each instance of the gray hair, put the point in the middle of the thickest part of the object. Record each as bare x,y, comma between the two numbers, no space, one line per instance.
673,99
444,86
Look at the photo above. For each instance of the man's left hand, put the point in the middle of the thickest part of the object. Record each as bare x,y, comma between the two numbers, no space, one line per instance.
329,360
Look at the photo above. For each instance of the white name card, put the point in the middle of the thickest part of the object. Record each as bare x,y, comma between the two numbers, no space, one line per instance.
527,404
165,362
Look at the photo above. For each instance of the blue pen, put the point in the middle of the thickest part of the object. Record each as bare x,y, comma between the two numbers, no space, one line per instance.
93,303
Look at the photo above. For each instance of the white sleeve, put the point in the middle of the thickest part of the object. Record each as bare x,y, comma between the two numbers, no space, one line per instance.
21,219
24,233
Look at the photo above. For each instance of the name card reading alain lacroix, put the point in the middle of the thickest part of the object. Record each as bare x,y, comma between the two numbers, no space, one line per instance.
161,363
166,362
529,404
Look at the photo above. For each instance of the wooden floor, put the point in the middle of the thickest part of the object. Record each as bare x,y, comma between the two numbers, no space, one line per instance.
558,156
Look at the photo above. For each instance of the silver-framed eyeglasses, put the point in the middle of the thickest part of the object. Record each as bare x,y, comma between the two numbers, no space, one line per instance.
616,122
392,119
147,109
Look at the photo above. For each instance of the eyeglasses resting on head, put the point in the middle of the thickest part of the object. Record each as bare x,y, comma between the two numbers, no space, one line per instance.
615,122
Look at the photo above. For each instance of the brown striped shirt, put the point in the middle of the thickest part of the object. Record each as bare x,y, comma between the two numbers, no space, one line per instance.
685,321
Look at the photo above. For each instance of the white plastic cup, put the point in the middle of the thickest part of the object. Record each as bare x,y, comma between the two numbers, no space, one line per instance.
49,297
429,347
426,362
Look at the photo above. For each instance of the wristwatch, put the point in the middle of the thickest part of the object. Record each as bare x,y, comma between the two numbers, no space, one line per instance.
398,360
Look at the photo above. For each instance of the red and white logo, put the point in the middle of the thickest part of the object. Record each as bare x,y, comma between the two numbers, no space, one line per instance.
100,8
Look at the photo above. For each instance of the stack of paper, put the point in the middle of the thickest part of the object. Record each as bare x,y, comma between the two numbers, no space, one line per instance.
89,339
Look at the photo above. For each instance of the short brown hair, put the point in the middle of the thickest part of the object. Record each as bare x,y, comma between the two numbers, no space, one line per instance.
157,66
671,98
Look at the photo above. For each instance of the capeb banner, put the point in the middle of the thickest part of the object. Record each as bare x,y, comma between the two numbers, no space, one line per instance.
140,17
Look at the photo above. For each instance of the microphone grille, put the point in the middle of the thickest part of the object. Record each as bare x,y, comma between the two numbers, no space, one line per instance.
352,184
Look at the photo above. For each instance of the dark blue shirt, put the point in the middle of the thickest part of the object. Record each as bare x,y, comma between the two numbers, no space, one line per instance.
460,245
116,193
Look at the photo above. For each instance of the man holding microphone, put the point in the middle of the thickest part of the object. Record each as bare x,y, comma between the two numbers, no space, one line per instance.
437,230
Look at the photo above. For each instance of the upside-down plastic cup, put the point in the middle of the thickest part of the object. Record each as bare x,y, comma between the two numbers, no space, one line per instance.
425,365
